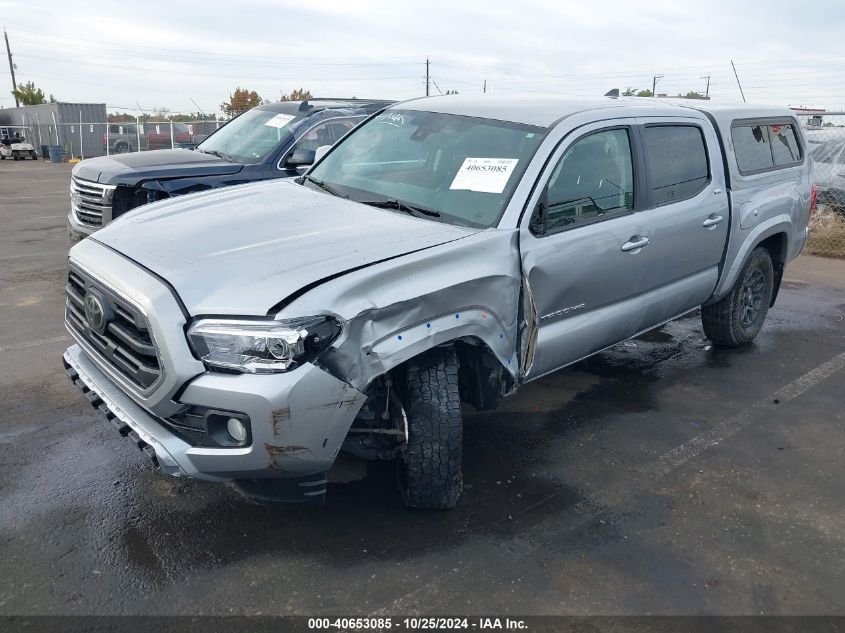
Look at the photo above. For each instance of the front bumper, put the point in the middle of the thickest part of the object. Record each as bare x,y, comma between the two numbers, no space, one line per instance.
77,231
299,420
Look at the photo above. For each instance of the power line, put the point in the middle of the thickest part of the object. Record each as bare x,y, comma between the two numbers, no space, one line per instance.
206,52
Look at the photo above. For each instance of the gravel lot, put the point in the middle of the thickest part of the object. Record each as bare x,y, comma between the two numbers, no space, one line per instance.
663,476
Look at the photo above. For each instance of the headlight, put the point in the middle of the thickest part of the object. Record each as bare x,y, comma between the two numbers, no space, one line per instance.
261,347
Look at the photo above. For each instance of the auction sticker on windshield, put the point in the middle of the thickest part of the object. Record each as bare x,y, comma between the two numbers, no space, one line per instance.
280,120
488,175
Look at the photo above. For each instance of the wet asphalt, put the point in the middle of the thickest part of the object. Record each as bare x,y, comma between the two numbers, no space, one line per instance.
663,476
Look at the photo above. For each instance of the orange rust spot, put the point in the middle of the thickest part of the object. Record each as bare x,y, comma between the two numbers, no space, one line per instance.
277,417
274,452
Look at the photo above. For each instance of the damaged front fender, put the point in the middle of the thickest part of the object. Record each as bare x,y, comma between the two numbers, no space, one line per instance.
398,309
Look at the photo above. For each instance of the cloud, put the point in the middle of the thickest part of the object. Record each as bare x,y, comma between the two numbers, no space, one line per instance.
165,54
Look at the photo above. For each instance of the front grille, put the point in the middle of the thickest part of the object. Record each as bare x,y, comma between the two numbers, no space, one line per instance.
90,200
125,343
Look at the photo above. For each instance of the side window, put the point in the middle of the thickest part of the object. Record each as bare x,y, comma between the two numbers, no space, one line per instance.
594,180
340,127
676,160
785,148
751,146
325,133
759,146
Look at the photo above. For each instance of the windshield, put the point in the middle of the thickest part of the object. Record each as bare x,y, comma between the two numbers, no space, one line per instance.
458,168
249,137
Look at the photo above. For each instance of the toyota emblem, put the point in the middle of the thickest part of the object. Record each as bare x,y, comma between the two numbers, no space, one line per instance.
95,313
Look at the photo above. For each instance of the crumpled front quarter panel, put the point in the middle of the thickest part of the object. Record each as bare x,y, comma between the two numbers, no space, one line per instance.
398,309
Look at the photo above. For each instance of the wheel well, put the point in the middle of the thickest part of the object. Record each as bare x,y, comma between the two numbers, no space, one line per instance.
482,378
777,246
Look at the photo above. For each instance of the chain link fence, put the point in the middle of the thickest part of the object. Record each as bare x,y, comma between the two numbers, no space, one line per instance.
87,140
826,146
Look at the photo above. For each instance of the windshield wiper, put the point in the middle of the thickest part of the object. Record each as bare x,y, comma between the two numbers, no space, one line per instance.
401,206
214,152
323,186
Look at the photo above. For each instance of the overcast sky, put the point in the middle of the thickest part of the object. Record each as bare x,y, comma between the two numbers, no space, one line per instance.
163,54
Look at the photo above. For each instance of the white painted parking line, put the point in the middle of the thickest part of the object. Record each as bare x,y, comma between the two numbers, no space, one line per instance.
25,255
680,455
546,534
44,341
8,198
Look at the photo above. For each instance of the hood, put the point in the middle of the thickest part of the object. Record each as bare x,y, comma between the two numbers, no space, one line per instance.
129,169
243,249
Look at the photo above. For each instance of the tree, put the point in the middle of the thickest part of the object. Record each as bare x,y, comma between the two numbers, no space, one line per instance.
645,93
300,94
692,94
240,101
629,92
28,94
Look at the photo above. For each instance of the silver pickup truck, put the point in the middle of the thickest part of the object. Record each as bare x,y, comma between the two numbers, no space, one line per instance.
448,251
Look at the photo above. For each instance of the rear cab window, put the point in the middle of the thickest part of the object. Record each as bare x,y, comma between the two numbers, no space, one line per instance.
765,145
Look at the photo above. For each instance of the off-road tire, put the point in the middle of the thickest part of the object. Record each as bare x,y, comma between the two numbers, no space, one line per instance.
33,155
122,148
728,322
429,469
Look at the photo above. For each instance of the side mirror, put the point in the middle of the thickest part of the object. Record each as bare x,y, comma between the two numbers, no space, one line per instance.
321,151
300,158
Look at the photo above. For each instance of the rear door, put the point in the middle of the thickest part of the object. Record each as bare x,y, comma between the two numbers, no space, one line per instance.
687,213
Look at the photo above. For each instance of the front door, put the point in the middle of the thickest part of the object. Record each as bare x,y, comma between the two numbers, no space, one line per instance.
593,262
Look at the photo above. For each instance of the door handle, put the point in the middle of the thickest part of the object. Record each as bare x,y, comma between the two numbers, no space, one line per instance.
712,221
635,244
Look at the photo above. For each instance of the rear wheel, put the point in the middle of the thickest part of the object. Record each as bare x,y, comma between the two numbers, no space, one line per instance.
33,155
738,317
430,467
121,148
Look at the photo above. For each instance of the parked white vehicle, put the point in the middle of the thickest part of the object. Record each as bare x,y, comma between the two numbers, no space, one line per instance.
14,145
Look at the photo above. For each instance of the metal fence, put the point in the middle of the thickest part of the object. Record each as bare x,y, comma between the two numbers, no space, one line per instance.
86,140
826,147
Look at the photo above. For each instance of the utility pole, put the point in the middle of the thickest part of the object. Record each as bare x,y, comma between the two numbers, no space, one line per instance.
427,76
11,68
485,86
707,90
737,81
654,84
